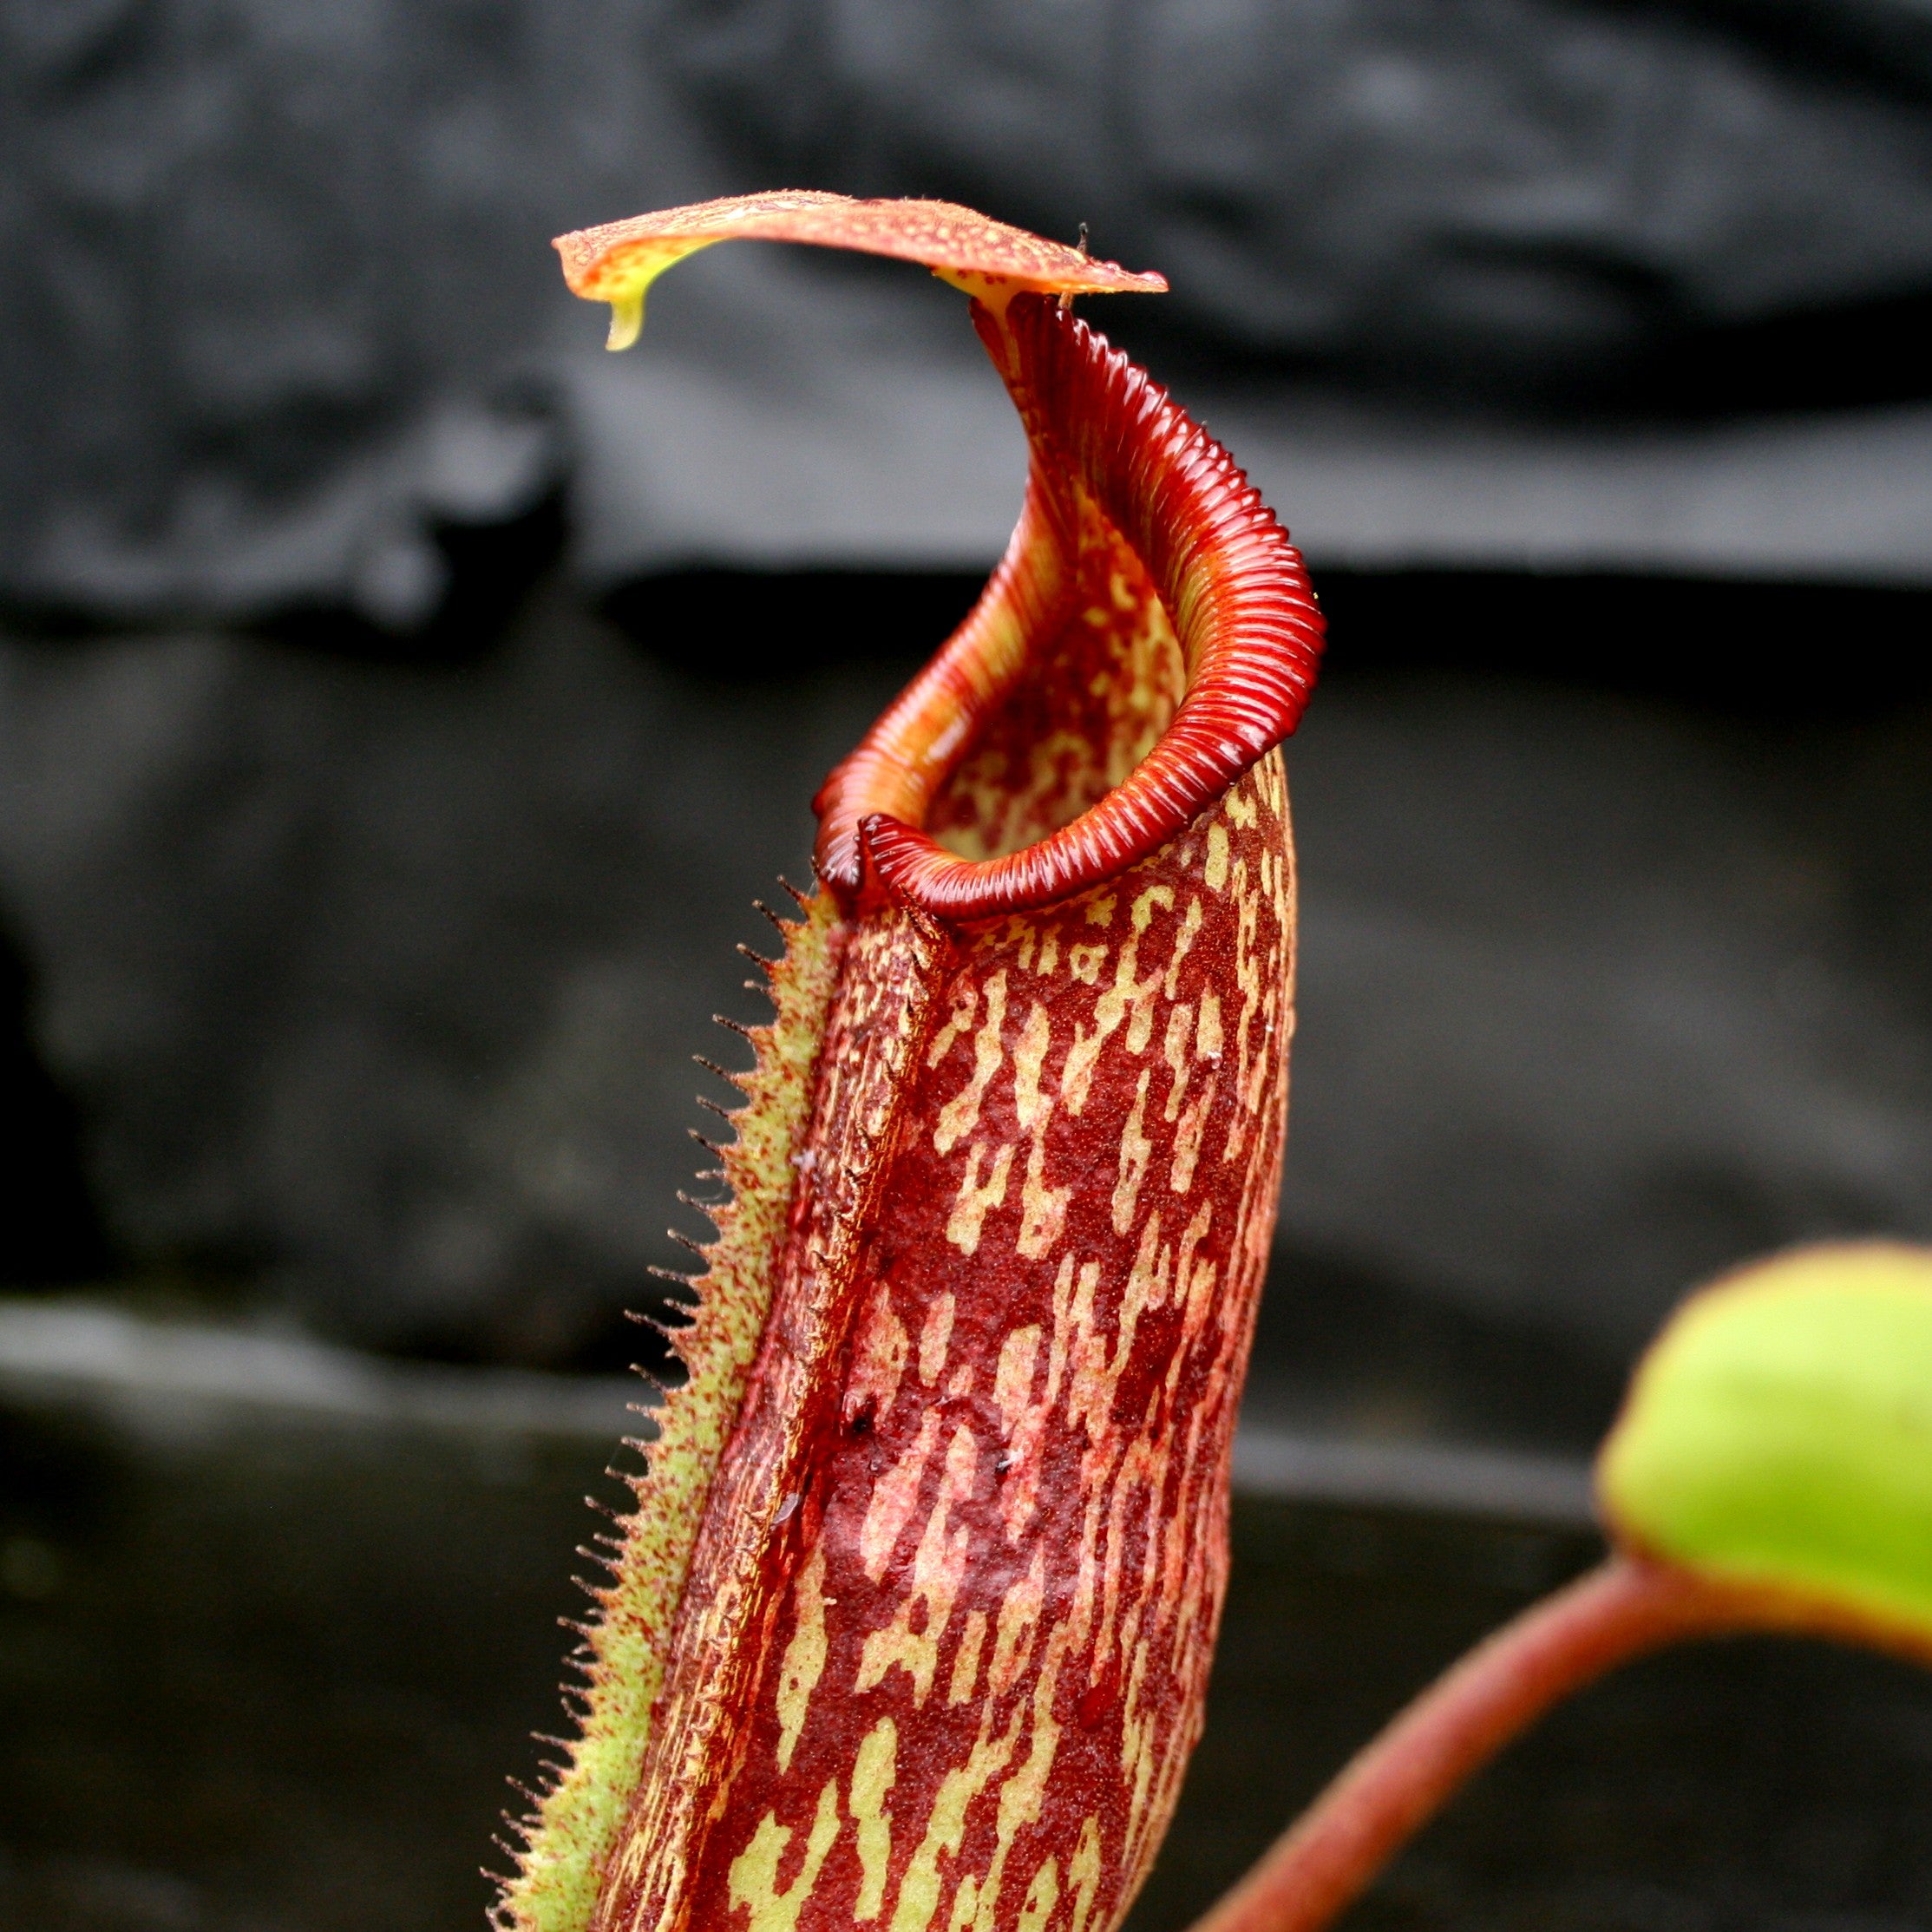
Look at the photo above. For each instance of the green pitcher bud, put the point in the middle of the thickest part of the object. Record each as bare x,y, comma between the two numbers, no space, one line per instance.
1780,1435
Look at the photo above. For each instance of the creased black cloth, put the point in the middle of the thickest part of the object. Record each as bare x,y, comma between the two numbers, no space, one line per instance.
276,296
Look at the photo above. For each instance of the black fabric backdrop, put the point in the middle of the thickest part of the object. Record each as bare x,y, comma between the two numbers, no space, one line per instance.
373,980
276,294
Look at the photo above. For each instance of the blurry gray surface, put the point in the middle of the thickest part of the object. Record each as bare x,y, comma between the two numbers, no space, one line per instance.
180,1377
800,452
788,413
276,1623
1498,1486
278,296
1597,998
1843,496
382,985
174,1377
387,982
271,1642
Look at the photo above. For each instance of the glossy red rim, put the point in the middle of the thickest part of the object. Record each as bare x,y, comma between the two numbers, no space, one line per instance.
1234,586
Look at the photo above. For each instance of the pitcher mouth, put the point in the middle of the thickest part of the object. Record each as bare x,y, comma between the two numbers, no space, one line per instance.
1123,485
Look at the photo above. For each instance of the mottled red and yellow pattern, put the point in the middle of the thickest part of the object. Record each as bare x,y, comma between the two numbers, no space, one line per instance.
961,1576
617,262
912,1628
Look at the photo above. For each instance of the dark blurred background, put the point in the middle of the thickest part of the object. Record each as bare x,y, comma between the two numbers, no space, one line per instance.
402,702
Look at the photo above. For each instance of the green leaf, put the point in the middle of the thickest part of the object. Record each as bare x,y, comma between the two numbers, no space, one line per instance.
1779,1433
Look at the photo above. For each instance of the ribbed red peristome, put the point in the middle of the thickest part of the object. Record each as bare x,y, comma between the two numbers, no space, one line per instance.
1233,584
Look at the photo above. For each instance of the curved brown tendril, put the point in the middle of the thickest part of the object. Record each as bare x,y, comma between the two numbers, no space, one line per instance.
1626,1609
1234,586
